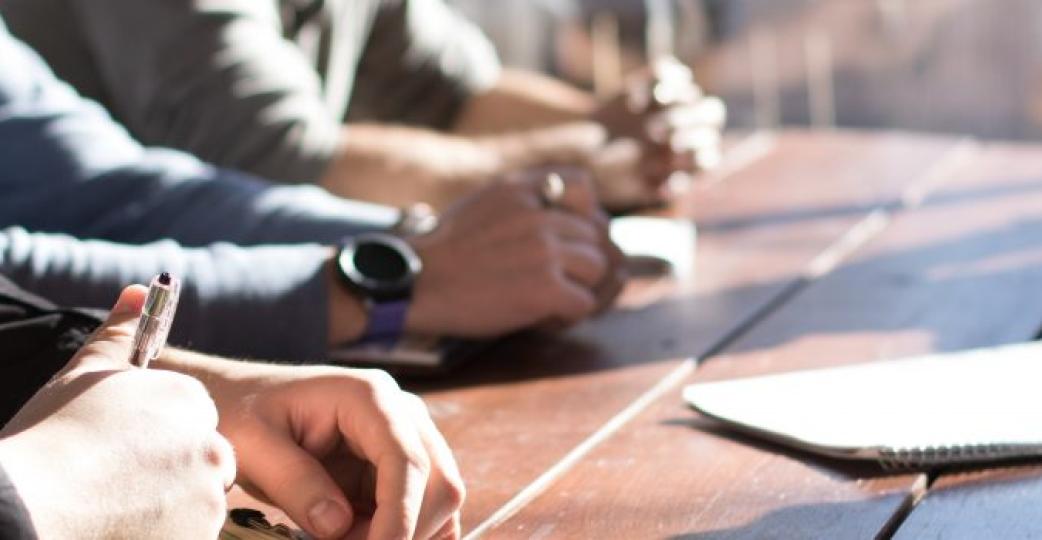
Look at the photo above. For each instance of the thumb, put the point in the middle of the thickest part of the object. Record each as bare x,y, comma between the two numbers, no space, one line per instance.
109,347
296,482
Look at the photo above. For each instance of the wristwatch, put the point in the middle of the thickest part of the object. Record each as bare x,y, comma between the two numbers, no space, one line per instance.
381,268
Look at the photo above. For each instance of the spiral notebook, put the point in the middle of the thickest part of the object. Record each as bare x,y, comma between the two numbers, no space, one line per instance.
974,406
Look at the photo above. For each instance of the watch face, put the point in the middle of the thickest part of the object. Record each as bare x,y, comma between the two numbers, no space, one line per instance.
380,262
382,266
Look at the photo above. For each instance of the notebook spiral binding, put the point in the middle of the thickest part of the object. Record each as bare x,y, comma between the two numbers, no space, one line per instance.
915,458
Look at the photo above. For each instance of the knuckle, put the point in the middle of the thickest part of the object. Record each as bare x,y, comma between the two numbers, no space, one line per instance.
415,402
419,460
455,491
411,457
547,286
218,452
215,504
186,386
543,254
113,332
530,220
379,381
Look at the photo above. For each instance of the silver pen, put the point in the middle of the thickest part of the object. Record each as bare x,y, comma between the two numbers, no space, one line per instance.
156,317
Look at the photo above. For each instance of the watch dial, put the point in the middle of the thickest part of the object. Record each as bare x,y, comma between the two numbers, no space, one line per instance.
380,262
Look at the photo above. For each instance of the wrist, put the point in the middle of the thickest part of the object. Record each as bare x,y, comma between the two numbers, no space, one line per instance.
422,316
348,317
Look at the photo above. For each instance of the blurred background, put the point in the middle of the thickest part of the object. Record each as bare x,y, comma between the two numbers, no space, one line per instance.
954,66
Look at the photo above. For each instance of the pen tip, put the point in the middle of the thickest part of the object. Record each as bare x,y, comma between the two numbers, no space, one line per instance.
164,278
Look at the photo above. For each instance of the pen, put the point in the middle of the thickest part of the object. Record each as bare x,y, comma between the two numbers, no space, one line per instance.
156,317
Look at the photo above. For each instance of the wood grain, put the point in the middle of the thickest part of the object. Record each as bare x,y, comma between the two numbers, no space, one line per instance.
999,502
961,271
1005,268
520,408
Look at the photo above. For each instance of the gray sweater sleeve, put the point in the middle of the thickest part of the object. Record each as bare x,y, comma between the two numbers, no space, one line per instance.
422,62
66,168
215,78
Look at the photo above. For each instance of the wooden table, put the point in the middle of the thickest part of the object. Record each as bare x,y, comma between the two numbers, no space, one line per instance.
814,249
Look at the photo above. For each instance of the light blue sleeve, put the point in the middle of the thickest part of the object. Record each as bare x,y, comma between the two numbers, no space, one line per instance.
266,302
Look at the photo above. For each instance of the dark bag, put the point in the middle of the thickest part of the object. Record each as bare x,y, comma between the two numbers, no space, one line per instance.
37,339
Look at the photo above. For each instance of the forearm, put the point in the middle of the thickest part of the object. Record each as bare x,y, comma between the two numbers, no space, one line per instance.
524,100
399,165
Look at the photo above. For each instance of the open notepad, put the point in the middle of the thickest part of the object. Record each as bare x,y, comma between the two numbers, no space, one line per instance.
974,406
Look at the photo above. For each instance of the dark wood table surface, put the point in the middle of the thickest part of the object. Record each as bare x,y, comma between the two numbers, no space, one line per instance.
814,249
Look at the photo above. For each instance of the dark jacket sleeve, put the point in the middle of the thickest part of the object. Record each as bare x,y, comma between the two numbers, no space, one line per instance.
15,523
37,339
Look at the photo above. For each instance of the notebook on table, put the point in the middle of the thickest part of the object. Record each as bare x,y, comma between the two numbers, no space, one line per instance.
974,406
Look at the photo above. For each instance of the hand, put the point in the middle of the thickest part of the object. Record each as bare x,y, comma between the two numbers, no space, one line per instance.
500,261
330,446
675,127
109,451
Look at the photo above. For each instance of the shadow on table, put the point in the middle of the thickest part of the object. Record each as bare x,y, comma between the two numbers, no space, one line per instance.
688,326
819,520
997,270
840,468
944,286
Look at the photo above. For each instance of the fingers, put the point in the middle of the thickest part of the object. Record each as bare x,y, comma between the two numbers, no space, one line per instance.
709,113
109,347
615,276
400,483
445,493
452,530
418,486
580,195
387,439
567,302
296,482
571,228
583,263
221,455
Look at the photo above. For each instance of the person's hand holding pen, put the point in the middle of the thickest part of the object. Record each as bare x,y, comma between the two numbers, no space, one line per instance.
110,451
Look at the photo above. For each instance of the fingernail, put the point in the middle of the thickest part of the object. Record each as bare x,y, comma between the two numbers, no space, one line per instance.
327,518
130,300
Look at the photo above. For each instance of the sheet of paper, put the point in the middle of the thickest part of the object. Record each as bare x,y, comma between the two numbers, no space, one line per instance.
669,243
979,397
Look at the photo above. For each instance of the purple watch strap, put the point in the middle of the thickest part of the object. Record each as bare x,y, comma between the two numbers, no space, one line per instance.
386,322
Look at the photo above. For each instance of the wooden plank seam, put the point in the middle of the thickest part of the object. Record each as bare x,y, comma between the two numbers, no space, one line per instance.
856,237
